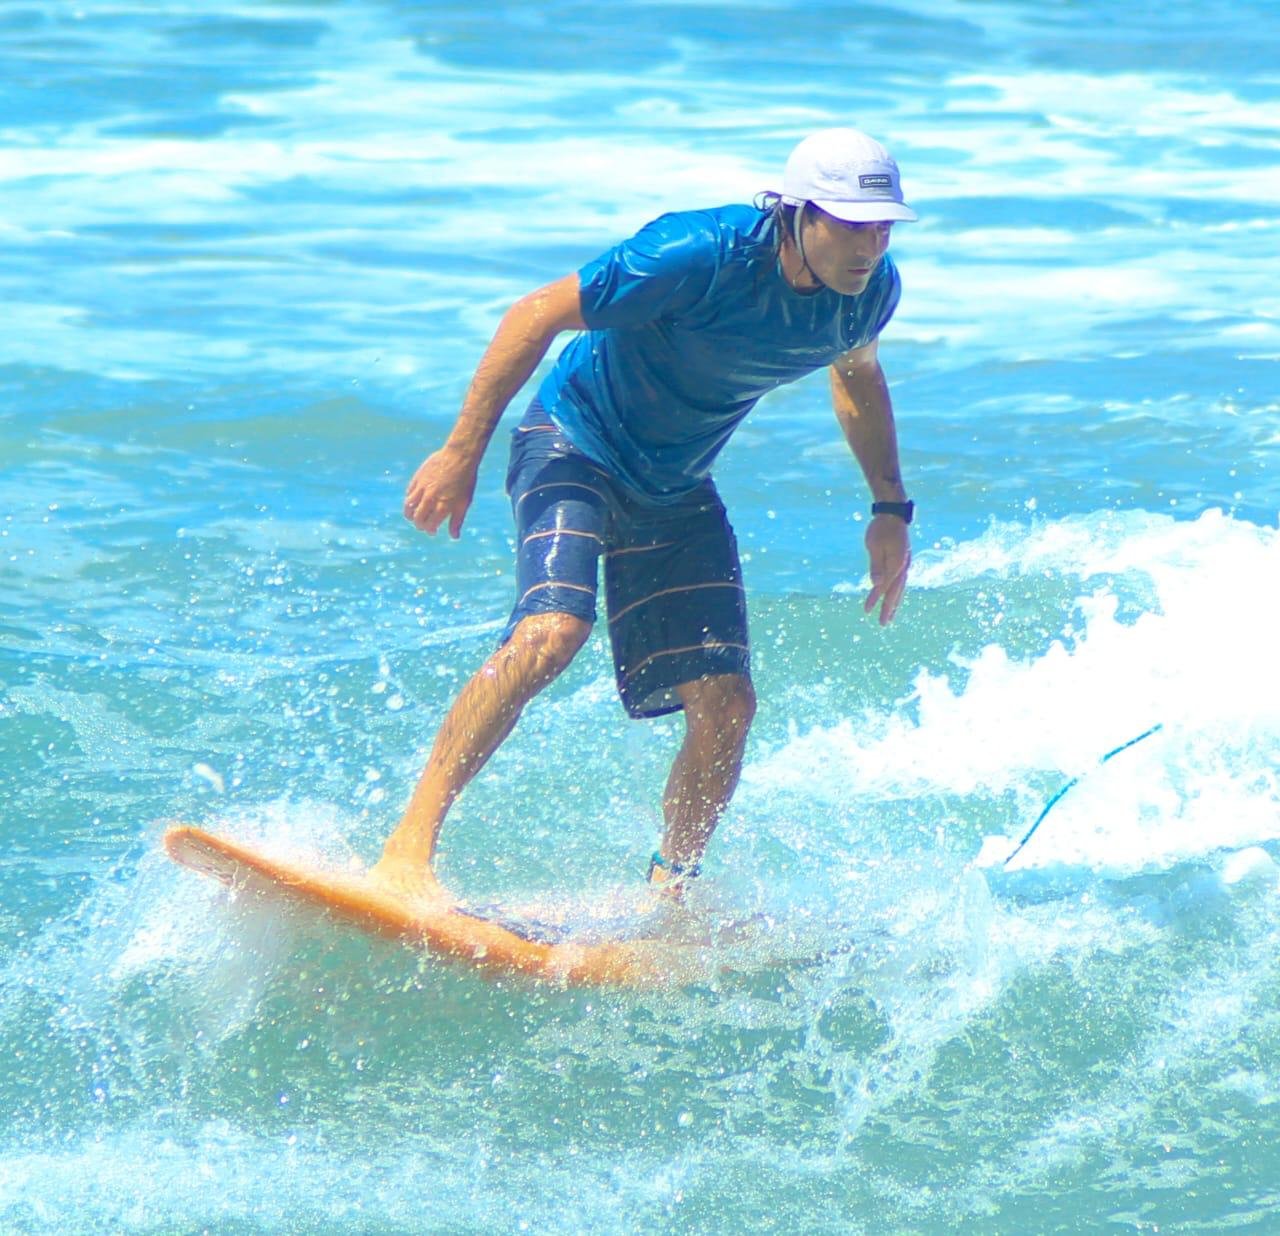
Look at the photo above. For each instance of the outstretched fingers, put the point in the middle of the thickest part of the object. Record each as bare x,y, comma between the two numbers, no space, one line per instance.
893,593
890,559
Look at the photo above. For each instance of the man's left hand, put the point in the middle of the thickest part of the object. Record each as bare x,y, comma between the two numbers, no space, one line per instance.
889,548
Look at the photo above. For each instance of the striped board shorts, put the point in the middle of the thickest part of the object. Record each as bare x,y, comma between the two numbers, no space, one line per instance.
673,583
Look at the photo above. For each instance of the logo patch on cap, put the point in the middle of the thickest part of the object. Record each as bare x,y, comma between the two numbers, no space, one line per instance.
875,182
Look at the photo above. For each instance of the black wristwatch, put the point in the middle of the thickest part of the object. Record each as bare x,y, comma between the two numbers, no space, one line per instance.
903,510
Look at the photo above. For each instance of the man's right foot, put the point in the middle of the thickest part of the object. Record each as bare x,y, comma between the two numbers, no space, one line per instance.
408,881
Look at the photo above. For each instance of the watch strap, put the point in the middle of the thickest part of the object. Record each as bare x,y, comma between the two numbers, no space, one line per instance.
905,511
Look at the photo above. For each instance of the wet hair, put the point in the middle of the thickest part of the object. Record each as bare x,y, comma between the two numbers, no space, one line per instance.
786,220
784,217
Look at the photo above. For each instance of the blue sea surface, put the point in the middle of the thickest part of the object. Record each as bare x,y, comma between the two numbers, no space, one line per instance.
250,255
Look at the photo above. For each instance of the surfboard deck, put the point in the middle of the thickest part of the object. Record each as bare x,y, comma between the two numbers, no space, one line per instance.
449,931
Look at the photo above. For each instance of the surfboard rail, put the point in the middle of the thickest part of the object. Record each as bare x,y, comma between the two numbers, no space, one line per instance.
444,930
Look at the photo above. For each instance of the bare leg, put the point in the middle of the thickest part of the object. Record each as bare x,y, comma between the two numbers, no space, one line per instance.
481,718
718,712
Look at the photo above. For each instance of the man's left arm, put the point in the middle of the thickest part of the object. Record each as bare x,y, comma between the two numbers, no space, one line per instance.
865,412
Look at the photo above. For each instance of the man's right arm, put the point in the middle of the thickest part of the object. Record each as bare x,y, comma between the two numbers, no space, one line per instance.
442,488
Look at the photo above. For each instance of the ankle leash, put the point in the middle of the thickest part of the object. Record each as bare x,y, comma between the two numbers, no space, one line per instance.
677,871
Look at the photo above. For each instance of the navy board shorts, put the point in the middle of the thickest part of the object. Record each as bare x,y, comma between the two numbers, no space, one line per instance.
673,583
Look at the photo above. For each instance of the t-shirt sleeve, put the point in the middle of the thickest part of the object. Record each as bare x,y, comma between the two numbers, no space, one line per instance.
875,306
665,269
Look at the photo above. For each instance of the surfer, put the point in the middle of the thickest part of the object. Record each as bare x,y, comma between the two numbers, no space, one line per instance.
680,330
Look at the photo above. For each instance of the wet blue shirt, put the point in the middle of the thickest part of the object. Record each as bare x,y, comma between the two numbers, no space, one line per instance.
690,322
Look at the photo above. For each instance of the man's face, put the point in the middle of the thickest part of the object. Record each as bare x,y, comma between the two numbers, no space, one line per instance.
843,255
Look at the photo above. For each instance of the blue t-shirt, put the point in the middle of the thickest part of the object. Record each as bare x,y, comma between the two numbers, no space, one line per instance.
689,322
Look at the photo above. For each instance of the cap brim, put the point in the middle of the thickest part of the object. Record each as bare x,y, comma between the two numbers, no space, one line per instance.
868,212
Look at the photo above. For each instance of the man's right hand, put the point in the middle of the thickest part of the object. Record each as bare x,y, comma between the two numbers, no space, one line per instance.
442,488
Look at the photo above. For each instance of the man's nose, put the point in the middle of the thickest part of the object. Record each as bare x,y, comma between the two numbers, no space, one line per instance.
871,243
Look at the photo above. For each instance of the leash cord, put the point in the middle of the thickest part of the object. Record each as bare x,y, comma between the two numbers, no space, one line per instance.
1074,781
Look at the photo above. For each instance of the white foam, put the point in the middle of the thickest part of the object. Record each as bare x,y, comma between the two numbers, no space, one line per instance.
1154,104
1251,867
509,171
204,955
1199,1024
1199,659
1107,543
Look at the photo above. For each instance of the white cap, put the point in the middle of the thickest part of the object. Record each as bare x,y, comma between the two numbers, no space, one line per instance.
847,174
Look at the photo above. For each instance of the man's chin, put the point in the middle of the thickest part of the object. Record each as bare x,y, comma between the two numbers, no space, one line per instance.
850,285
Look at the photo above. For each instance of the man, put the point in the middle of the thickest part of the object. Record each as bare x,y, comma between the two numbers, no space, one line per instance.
684,326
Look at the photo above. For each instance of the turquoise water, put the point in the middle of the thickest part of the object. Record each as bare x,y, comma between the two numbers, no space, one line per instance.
250,257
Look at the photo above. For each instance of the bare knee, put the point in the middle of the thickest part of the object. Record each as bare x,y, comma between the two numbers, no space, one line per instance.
719,709
551,641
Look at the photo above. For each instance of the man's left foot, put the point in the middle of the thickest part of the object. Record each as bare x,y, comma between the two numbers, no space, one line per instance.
669,880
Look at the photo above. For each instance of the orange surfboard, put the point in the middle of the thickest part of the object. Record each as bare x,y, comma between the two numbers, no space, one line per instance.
449,931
